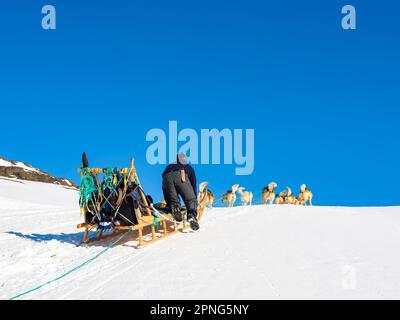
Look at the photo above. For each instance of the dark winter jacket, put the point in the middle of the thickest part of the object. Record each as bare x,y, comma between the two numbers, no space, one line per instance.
183,166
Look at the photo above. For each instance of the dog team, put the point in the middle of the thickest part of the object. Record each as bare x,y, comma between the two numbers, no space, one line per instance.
268,195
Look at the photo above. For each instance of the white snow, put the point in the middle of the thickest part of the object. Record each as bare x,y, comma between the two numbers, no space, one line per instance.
68,182
259,252
6,163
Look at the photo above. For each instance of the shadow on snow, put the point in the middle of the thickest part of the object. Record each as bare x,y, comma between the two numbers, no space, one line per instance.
73,238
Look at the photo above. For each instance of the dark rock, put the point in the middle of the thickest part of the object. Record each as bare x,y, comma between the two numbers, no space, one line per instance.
26,174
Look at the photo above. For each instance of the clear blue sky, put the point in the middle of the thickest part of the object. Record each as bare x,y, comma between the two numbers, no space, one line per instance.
324,102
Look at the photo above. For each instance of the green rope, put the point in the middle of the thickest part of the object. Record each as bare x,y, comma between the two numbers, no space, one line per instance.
88,187
155,222
109,181
157,215
73,269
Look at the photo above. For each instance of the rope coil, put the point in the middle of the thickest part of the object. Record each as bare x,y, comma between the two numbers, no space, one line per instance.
87,189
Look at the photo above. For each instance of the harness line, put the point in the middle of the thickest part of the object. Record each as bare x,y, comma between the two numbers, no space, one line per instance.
73,269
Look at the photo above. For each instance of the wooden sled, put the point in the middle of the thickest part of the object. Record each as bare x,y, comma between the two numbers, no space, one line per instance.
145,228
162,231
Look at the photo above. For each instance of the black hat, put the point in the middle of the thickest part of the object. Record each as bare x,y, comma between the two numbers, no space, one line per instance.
85,162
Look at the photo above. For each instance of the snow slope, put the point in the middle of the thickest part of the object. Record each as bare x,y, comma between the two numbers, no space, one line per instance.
23,166
259,252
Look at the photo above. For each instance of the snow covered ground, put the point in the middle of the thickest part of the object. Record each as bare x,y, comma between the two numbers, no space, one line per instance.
259,252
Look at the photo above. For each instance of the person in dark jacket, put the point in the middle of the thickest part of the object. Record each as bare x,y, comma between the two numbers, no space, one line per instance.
179,179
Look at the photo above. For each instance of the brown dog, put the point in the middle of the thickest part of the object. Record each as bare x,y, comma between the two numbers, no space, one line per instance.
290,198
205,197
162,204
305,195
230,196
281,197
268,193
286,197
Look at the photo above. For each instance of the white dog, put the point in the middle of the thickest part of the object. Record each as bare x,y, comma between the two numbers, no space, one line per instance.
245,196
230,196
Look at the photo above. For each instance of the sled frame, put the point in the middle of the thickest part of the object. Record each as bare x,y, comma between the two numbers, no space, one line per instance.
156,233
162,231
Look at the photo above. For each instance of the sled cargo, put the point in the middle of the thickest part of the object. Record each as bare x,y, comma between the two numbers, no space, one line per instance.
152,224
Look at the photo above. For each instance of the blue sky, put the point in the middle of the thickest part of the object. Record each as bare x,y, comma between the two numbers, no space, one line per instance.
324,102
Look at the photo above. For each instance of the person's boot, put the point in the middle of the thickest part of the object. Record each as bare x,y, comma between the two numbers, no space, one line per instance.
176,212
192,219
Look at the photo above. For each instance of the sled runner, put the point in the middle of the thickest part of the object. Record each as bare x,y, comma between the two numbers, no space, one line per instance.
112,199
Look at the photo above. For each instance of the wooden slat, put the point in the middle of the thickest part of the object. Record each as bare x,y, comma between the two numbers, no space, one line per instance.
104,237
86,225
145,243
165,227
146,221
140,237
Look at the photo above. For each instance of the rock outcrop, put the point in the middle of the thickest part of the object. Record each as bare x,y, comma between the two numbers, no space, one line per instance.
24,171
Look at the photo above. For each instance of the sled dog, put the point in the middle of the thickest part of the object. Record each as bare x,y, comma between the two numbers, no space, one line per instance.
281,197
305,195
290,198
245,196
205,197
268,193
230,196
